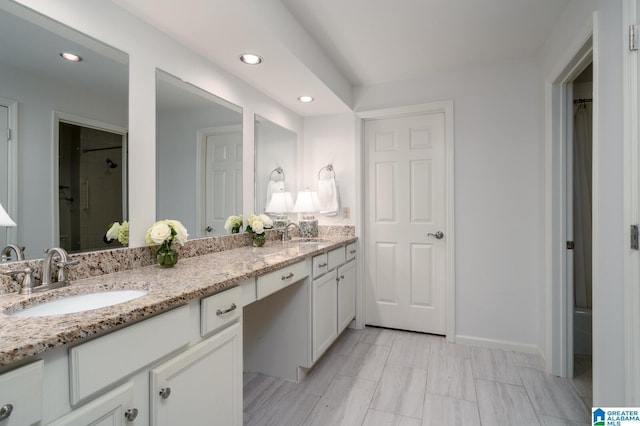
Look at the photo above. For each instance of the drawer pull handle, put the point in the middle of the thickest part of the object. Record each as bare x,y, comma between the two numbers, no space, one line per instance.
352,252
322,265
288,276
226,311
5,411
165,393
131,414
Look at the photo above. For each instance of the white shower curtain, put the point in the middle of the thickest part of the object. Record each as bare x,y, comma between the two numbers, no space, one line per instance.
582,156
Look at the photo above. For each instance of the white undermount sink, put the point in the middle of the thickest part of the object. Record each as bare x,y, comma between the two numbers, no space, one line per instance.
79,303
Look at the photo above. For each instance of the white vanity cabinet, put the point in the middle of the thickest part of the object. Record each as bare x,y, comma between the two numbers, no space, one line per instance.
333,296
202,385
21,395
346,294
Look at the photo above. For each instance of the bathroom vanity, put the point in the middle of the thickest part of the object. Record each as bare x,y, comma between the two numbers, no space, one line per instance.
177,354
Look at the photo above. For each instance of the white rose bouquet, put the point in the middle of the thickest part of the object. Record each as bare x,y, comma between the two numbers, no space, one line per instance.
165,232
257,224
233,224
118,232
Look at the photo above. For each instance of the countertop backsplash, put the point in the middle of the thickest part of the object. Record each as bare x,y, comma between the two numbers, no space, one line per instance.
103,262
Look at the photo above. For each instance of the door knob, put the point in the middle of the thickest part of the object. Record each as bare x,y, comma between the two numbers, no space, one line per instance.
439,235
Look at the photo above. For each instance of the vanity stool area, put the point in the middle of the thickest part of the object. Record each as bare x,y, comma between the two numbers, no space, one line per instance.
177,354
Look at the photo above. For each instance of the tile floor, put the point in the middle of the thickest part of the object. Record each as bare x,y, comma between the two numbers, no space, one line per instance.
379,377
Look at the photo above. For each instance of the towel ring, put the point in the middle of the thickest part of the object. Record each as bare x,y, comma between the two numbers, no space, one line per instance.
279,171
328,168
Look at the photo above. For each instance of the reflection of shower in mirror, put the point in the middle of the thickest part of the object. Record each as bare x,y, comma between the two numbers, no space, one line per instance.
111,164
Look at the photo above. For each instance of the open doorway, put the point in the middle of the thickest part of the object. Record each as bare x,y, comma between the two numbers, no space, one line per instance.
579,226
91,184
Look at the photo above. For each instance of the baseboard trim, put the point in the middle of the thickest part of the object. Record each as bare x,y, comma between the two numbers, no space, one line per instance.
499,344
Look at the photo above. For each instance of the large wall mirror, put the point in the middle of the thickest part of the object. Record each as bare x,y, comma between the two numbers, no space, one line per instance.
63,173
199,156
276,159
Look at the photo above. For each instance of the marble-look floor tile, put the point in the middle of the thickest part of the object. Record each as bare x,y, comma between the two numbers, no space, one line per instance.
553,396
504,404
346,341
286,406
345,403
366,361
451,376
440,346
410,350
379,336
523,359
400,391
555,421
441,410
382,418
495,365
318,379
257,389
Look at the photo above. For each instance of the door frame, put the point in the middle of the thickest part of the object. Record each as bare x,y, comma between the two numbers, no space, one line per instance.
201,166
445,107
12,172
558,301
631,195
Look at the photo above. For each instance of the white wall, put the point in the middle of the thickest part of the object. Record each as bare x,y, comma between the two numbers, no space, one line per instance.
608,232
498,196
149,49
332,140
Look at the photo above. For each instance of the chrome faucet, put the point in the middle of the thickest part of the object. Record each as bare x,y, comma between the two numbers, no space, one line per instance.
285,232
60,256
6,252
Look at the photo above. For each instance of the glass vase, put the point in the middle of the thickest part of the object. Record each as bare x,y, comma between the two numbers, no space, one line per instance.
258,240
235,230
166,257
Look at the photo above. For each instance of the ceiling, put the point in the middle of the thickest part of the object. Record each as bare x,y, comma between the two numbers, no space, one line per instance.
326,47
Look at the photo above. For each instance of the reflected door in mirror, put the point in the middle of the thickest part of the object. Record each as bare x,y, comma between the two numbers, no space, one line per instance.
223,177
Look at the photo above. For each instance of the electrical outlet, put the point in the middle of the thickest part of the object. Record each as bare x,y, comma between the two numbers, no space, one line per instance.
346,212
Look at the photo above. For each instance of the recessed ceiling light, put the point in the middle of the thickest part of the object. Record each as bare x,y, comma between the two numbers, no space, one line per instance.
250,58
70,57
305,99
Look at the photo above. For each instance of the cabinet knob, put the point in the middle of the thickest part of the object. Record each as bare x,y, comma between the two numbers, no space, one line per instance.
165,392
5,411
131,414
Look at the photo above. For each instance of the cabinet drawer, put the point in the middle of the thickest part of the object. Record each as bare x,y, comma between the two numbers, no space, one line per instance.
320,265
22,389
352,251
220,309
336,257
105,360
276,280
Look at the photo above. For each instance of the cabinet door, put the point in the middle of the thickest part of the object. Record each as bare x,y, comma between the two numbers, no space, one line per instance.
325,313
346,294
21,395
202,385
113,408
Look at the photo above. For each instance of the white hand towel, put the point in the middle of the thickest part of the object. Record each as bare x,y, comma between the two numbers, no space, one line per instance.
328,196
273,186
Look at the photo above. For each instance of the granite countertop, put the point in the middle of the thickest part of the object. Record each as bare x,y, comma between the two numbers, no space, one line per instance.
191,278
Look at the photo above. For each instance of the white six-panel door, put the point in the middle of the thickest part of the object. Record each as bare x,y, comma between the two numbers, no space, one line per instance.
405,213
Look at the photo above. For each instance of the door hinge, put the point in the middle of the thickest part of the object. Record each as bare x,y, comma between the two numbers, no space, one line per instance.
633,38
634,237
570,245
8,134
